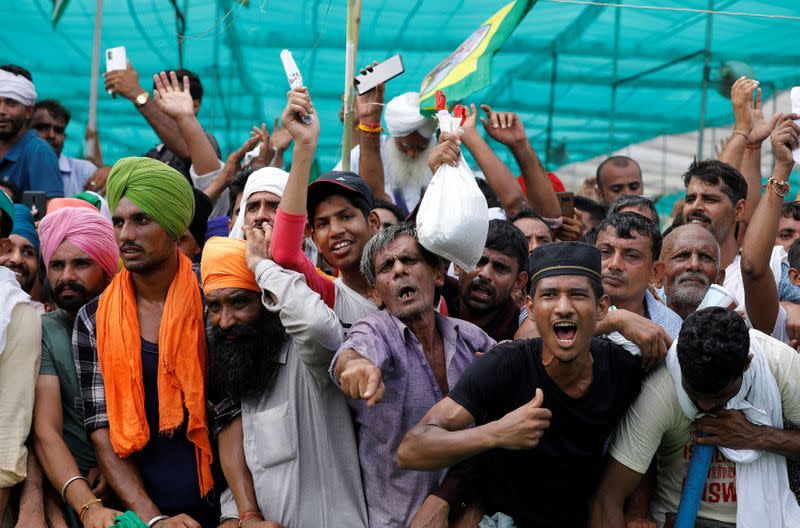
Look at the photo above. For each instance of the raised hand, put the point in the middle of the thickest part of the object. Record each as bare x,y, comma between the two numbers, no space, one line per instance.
361,380
172,98
281,138
784,140
123,82
448,152
523,427
370,104
469,126
742,102
761,127
299,105
503,127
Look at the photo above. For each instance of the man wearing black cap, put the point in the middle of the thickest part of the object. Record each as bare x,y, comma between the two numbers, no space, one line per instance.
338,206
542,409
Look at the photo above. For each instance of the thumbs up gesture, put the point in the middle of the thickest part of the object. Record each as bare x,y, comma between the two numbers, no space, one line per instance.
523,427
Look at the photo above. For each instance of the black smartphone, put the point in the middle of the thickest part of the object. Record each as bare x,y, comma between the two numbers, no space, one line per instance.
37,199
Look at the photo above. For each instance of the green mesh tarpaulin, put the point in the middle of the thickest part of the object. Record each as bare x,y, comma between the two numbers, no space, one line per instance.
557,69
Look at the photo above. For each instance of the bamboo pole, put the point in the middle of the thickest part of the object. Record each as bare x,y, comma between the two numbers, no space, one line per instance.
88,146
351,50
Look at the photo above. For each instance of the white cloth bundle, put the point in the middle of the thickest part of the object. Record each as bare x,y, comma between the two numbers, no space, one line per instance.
10,295
762,484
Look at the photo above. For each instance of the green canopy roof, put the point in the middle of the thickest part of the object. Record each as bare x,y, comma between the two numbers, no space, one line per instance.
557,70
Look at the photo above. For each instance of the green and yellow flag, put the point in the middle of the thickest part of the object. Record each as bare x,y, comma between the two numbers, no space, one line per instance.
469,67
58,10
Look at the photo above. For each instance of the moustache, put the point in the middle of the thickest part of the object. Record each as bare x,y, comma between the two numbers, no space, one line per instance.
72,285
235,332
699,215
693,275
124,247
482,284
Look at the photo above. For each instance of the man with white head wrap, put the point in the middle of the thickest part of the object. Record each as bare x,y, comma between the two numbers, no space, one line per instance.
260,199
401,156
25,159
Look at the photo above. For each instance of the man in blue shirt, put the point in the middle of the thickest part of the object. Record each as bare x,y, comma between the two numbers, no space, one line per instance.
25,160
50,121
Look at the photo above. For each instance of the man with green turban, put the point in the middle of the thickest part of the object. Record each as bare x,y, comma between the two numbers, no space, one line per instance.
153,187
141,353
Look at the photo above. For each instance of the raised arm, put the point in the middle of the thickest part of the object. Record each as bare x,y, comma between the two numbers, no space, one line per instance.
305,137
741,100
498,175
176,102
761,292
370,164
444,437
540,191
126,83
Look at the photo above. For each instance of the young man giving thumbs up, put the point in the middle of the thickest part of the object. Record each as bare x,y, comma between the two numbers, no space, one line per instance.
542,409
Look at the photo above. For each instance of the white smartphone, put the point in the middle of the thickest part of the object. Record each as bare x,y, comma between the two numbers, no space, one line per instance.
381,73
293,75
116,59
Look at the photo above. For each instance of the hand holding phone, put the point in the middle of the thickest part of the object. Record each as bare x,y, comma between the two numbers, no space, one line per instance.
567,202
116,59
36,202
379,73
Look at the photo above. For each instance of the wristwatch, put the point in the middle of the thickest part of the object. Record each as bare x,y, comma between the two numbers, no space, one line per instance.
141,99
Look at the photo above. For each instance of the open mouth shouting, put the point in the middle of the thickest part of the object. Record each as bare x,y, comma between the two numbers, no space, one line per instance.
565,332
406,293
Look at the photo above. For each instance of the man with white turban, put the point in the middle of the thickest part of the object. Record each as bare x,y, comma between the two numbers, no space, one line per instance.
25,159
260,199
402,156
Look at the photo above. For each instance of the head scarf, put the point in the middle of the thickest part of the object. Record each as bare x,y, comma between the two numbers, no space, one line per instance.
17,87
224,265
96,200
217,226
403,117
87,229
56,204
181,366
156,188
6,214
268,179
23,225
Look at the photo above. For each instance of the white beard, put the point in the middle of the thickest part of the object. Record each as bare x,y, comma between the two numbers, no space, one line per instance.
406,172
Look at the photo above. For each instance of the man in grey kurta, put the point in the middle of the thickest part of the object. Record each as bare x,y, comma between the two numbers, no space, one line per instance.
290,456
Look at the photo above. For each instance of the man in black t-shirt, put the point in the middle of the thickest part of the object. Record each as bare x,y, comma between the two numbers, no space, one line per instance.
542,409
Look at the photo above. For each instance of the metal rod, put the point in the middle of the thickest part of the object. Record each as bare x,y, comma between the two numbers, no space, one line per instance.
660,67
704,97
88,146
614,70
550,109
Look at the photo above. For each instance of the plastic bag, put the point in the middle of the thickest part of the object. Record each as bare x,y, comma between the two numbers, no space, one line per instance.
453,218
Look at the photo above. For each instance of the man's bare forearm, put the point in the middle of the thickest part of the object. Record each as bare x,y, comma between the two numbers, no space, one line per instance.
234,466
123,477
370,164
430,447
498,175
201,152
540,191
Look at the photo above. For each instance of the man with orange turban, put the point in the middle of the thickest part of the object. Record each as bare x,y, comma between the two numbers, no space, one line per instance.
270,342
140,354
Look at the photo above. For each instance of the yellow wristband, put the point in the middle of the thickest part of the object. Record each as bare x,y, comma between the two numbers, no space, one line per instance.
370,130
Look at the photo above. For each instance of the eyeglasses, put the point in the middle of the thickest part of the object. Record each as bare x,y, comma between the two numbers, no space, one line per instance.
44,127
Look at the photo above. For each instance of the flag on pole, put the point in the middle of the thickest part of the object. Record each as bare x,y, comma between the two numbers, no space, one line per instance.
469,67
58,10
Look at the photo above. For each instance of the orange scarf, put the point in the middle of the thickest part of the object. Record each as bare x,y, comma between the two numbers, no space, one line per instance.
181,366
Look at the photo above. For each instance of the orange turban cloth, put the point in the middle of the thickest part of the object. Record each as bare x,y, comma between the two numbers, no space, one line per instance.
224,265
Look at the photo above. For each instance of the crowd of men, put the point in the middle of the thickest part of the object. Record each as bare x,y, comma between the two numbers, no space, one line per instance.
192,340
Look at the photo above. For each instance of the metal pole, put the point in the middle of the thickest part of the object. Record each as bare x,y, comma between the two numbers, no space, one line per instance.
550,109
706,67
351,50
89,146
614,70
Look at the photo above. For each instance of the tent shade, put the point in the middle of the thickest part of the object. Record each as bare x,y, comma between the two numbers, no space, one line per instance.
655,61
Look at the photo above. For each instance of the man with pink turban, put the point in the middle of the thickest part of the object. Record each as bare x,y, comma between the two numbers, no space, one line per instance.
81,257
